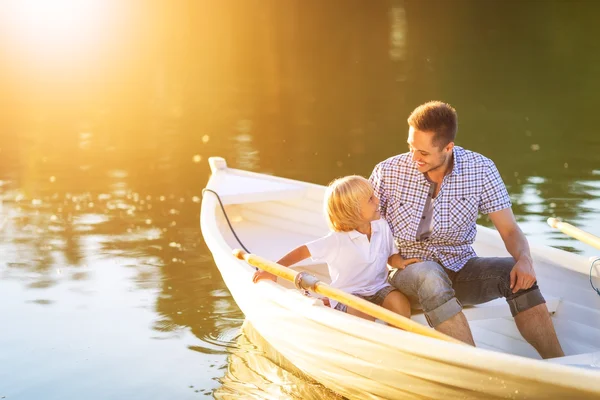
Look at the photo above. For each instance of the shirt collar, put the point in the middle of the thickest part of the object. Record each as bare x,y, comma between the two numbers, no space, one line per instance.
356,234
457,153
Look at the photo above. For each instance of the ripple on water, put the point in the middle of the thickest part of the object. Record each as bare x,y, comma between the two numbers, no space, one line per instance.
256,370
225,338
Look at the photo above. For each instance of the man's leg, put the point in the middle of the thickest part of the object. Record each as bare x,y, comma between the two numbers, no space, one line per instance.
536,327
427,285
486,278
457,327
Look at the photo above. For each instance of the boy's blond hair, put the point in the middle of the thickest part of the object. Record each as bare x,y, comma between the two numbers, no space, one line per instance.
342,202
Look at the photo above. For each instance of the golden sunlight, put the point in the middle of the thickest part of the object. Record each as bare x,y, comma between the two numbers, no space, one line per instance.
40,28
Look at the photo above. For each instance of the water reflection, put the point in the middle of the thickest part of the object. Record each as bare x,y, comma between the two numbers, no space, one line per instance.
246,156
256,370
126,257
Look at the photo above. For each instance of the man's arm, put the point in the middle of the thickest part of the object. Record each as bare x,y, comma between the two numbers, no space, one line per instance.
522,275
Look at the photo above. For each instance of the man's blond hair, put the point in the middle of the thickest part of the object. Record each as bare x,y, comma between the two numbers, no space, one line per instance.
342,202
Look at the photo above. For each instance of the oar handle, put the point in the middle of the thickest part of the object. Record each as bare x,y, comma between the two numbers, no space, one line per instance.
347,299
276,269
575,232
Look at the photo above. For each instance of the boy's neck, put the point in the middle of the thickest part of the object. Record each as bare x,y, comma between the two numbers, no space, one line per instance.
364,228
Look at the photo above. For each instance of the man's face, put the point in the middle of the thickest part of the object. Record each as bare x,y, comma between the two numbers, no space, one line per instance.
427,156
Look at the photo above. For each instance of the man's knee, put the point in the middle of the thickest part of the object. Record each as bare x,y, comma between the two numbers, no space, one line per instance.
435,281
529,297
423,280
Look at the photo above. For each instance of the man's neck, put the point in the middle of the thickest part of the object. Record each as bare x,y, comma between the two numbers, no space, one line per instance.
437,175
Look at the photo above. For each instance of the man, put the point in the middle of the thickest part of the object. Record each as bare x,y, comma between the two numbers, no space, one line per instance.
431,197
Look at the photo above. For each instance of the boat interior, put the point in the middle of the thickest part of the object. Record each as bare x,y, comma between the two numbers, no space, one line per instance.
270,228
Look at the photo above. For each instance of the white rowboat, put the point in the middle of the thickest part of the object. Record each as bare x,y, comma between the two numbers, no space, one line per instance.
364,360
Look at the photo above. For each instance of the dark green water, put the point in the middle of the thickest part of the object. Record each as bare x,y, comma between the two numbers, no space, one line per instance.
107,290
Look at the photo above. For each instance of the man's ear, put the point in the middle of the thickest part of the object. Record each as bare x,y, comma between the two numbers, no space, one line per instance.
449,147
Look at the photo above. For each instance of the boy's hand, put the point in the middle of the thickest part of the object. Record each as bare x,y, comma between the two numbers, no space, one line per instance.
260,275
399,262
405,263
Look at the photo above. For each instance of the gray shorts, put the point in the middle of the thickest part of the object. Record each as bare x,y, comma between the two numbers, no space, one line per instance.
441,293
376,298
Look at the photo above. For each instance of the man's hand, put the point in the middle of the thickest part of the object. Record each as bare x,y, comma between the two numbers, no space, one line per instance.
260,275
522,275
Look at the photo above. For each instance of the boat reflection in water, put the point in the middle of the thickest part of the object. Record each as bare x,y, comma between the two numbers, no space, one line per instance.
256,370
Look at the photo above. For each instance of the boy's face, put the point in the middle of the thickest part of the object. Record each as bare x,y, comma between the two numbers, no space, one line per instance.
369,207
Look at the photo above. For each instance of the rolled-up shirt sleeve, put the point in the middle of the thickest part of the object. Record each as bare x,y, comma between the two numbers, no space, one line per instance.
376,180
494,196
324,249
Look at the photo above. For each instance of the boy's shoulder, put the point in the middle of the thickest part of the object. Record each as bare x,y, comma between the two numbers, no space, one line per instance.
383,224
334,237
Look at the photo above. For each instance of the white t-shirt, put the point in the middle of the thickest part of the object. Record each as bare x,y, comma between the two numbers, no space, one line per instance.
356,265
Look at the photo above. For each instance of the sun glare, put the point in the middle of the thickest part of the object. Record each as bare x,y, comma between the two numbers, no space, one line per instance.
58,27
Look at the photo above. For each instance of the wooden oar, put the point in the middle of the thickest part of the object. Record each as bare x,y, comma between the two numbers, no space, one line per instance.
307,281
575,232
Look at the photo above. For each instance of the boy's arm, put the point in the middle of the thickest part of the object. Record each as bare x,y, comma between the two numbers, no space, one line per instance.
396,260
291,258
294,256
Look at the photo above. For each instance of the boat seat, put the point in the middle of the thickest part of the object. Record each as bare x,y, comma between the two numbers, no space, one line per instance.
586,360
497,308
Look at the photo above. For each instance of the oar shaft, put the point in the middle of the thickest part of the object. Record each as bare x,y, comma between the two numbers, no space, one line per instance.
345,298
379,312
575,232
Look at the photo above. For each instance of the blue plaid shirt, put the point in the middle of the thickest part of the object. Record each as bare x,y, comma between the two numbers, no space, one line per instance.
474,186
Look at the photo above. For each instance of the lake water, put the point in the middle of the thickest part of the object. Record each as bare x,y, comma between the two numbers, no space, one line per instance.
107,290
